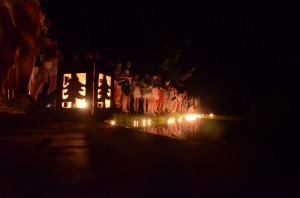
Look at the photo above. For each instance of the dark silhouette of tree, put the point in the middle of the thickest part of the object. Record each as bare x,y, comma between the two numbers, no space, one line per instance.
73,89
170,66
164,57
104,90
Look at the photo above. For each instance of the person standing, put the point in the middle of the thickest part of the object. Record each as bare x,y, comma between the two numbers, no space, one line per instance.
154,95
136,86
42,66
49,62
146,93
126,88
117,84
53,72
19,30
165,91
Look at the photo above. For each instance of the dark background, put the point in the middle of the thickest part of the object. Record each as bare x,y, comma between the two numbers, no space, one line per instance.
241,50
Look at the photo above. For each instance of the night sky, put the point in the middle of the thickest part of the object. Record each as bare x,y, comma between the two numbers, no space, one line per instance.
249,47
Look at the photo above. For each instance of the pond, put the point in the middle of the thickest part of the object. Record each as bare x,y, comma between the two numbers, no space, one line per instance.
190,127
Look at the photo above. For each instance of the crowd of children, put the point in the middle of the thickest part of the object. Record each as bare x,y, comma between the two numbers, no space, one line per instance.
150,94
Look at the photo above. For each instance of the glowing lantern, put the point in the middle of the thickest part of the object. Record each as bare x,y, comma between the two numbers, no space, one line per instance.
85,87
104,93
74,90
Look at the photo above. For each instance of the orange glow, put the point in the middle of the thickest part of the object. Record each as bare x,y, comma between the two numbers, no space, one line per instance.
135,123
79,103
105,85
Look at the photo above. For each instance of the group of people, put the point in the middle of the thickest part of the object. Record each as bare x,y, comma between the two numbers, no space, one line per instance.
29,58
27,55
150,94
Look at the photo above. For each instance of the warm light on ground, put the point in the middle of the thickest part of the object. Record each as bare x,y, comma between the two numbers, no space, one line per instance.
171,121
81,104
180,119
135,123
145,122
191,117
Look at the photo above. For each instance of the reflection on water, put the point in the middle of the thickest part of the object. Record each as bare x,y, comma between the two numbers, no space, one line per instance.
191,127
177,129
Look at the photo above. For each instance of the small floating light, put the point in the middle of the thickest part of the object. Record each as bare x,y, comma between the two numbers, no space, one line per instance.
112,122
180,119
211,115
135,123
149,122
171,121
190,117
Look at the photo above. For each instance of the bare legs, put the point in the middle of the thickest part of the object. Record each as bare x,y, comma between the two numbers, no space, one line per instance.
37,83
146,105
25,17
8,46
52,84
125,100
117,94
136,104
